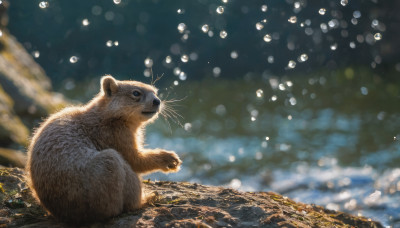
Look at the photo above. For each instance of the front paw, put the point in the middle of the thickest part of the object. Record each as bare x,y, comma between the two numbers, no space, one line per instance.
170,161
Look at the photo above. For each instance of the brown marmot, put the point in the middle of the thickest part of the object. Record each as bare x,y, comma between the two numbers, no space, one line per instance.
83,162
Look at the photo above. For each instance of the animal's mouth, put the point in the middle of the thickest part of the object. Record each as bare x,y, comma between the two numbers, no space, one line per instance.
149,113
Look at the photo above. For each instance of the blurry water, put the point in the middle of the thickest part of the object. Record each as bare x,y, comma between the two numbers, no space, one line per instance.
331,141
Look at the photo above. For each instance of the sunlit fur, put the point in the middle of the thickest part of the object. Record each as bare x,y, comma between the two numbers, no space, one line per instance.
83,162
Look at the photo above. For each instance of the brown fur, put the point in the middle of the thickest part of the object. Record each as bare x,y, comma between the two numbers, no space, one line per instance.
83,162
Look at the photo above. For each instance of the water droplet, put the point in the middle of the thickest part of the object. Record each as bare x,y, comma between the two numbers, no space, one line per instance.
292,64
43,4
303,57
220,10
260,93
193,56
148,62
232,158
225,1
352,45
220,110
168,59
177,71
185,36
334,46
333,23
36,54
205,28
182,76
267,38
184,58
235,183
297,5
270,59
180,11
378,36
176,83
259,155
1,33
85,22
253,118
181,27
109,43
292,101
322,11
267,138
116,43
259,26
364,90
147,72
356,14
117,2
234,55
289,117
223,34
210,33
292,19
374,23
274,98
264,8
188,126
216,71
73,59
254,112
344,2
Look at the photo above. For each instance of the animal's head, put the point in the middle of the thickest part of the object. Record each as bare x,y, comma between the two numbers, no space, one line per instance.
134,101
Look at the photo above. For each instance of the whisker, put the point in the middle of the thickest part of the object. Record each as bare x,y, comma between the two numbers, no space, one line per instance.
166,120
172,117
158,78
173,111
152,76
175,100
172,114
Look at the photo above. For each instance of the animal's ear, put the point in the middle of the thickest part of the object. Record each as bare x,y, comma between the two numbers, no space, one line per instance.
108,85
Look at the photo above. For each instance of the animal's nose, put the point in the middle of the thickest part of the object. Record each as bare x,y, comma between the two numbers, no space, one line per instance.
156,102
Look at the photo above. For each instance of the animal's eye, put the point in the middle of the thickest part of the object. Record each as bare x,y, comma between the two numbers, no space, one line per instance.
136,93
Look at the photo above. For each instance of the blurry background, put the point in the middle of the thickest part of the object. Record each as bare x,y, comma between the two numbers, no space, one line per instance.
298,97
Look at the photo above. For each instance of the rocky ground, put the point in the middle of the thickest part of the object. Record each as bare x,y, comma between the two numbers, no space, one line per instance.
180,204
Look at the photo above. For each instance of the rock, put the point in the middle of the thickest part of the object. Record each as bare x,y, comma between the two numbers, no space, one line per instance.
12,158
12,130
25,96
25,82
180,204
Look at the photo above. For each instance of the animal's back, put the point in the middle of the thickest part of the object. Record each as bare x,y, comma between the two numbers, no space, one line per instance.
65,169
57,144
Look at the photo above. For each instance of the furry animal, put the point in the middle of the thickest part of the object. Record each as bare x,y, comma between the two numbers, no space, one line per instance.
83,162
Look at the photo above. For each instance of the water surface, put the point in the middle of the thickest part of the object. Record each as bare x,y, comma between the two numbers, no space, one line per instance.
330,138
